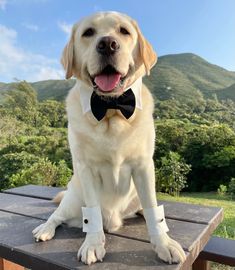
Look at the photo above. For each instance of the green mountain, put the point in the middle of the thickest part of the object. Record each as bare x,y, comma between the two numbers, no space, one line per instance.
185,77
50,89
53,89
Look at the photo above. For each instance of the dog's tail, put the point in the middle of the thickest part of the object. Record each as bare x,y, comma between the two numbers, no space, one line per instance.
58,197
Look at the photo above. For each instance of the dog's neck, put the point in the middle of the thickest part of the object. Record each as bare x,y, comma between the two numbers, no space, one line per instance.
86,91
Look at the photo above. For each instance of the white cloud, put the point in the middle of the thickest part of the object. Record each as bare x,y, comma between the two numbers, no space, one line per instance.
3,4
65,27
30,26
24,65
46,73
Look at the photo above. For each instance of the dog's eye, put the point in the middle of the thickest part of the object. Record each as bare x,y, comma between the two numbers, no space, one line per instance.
124,31
89,32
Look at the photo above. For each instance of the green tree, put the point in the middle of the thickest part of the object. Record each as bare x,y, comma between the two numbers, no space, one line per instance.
171,176
42,172
10,129
210,151
21,102
53,113
12,163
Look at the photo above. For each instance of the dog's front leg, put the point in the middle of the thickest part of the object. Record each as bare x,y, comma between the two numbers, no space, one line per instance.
167,249
92,248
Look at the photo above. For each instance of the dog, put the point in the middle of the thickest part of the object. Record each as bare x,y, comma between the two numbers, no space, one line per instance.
111,136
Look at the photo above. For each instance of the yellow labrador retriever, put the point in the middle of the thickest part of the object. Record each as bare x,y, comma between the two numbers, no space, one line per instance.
111,136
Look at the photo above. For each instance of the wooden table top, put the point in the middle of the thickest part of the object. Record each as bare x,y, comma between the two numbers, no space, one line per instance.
24,208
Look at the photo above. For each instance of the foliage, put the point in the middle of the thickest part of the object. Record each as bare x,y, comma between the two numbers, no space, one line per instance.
10,128
172,174
42,172
12,163
222,190
53,113
208,148
33,141
231,187
21,102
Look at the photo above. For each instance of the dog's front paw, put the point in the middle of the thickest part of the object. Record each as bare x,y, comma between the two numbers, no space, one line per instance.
92,249
44,232
168,249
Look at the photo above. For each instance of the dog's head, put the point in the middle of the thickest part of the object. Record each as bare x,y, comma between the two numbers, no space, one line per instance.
107,51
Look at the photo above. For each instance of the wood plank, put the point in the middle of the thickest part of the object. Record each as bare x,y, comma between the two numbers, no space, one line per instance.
17,245
1,263
7,265
189,212
190,235
35,191
201,265
34,207
184,232
219,250
173,210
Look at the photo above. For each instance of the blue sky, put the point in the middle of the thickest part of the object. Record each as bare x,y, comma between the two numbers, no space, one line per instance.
34,32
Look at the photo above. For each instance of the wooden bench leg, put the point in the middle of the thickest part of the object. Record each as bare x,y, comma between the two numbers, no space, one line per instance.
7,265
1,264
200,264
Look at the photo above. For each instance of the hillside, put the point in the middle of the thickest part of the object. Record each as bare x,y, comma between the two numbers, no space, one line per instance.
53,89
185,77
226,93
50,89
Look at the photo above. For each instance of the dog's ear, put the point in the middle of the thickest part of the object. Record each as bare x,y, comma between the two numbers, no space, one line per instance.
146,51
67,58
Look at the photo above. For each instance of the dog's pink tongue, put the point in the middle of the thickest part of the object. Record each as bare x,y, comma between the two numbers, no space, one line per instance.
107,82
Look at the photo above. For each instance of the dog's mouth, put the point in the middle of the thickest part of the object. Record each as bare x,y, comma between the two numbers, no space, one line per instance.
108,80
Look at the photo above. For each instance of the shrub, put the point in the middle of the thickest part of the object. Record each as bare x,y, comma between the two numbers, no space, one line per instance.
172,174
222,190
231,187
12,163
42,172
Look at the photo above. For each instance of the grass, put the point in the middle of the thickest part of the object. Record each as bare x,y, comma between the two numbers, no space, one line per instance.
227,228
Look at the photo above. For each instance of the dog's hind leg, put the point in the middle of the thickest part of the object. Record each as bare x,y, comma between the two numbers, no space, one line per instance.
63,213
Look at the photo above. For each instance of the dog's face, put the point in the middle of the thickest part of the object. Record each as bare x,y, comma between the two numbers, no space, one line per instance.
108,52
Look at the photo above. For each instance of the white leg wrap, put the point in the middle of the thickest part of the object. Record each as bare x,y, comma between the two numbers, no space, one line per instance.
155,218
92,219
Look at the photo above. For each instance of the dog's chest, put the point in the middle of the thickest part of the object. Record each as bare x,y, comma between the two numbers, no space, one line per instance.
108,150
112,178
110,141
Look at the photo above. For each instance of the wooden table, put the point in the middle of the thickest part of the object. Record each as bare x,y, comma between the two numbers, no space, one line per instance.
24,208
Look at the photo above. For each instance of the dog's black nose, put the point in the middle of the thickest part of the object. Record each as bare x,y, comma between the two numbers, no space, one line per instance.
107,46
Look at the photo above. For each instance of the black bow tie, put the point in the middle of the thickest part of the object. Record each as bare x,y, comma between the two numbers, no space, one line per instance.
125,103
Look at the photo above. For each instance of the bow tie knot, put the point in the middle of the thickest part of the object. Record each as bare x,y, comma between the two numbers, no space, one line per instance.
125,103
